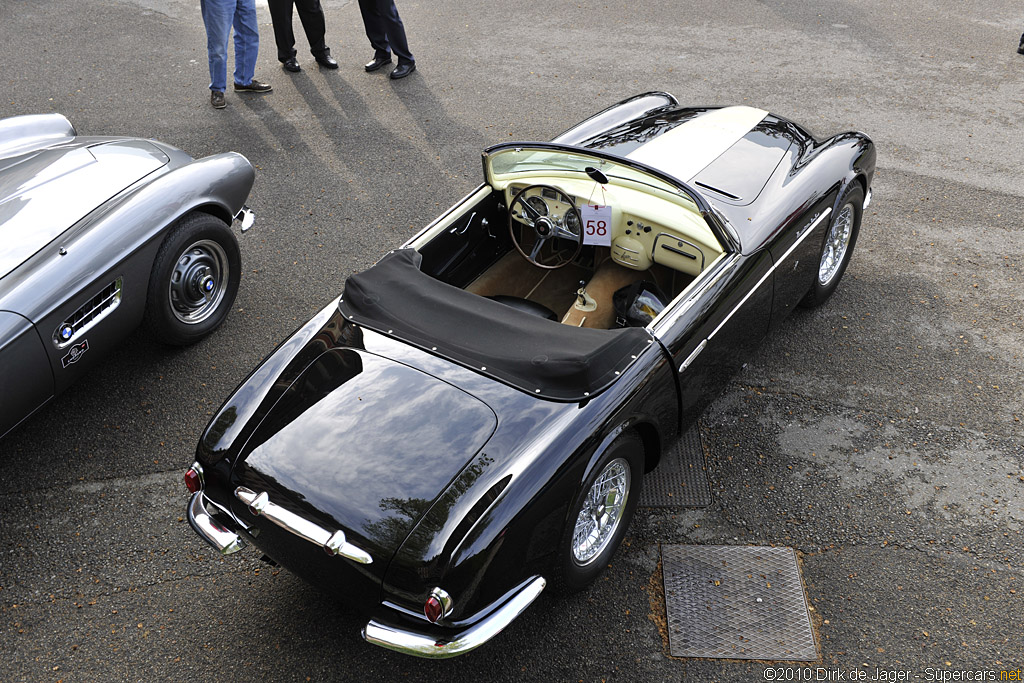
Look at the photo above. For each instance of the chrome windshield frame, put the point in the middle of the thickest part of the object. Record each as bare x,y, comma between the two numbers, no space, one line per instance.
716,223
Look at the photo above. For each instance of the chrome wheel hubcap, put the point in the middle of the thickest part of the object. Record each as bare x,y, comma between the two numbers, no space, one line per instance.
601,513
198,282
836,244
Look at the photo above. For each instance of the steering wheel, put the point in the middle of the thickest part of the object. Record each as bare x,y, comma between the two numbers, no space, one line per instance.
533,212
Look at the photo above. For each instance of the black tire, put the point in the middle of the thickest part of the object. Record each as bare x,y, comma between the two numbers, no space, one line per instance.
575,567
828,274
199,252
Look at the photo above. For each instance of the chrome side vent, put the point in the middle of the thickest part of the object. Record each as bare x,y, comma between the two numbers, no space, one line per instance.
91,312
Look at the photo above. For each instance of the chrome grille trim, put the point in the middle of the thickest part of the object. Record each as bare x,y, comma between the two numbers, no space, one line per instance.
90,313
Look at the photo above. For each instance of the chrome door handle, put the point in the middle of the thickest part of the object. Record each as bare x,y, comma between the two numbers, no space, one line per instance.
333,543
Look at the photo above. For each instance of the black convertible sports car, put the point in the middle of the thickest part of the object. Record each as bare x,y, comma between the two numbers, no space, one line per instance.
98,234
473,417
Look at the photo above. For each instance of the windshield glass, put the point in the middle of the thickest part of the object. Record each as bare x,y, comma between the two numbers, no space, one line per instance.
507,163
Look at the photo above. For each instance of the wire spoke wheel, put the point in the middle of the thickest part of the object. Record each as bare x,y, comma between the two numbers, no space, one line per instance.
836,244
601,513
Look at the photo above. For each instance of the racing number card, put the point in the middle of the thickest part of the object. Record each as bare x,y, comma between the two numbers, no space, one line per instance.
597,224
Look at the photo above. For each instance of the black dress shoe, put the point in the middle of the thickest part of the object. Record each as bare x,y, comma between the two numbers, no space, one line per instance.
377,63
403,70
326,60
291,65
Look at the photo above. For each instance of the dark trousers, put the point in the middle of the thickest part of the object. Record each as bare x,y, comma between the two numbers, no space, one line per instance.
385,30
312,17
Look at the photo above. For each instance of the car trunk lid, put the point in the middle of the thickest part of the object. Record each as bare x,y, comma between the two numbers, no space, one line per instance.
359,444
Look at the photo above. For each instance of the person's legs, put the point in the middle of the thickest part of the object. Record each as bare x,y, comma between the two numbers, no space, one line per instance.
373,24
247,41
395,30
281,16
311,14
217,16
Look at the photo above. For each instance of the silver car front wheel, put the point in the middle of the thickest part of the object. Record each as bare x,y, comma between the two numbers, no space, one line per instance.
194,279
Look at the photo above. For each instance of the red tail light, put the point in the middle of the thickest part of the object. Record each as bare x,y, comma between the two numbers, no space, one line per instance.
193,480
438,605
432,609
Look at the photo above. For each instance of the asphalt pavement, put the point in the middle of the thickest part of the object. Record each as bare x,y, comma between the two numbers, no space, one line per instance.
880,435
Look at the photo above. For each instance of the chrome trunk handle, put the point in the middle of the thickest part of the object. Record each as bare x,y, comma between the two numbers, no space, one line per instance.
333,543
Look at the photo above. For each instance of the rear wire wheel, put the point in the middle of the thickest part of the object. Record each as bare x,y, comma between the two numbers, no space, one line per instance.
600,514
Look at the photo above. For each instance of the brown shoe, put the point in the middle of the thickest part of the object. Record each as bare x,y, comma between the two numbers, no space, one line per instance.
217,99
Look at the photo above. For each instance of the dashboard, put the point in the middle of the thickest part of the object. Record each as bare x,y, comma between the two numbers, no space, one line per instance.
644,228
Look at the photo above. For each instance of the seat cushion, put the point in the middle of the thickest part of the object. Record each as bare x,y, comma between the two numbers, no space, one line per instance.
525,305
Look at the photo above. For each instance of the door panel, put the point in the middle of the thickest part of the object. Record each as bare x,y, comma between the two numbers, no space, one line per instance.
797,252
717,329
26,381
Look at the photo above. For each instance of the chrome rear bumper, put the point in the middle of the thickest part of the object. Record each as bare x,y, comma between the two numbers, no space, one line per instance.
209,529
419,645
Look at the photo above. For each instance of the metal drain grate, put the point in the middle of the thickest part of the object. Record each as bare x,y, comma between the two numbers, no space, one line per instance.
680,479
736,602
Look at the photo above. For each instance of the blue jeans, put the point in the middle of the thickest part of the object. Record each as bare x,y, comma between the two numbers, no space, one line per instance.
219,16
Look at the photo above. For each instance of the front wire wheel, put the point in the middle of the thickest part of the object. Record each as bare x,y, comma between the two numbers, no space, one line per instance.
837,243
837,248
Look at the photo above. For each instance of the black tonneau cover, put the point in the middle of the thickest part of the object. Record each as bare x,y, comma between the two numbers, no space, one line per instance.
539,356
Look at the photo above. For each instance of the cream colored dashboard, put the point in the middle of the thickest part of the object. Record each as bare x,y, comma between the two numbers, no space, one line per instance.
646,228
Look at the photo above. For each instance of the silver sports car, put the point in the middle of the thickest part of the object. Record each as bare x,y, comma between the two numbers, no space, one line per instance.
98,234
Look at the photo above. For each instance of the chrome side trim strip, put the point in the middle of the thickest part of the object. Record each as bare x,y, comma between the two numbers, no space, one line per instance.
333,542
419,645
867,201
693,355
801,238
211,531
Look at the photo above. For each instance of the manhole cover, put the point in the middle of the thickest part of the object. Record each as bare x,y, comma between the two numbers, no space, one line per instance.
680,479
736,602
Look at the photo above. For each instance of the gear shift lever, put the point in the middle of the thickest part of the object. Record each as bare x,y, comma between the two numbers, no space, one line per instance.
584,302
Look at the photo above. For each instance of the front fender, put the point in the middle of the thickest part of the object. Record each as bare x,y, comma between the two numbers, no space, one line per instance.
129,224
